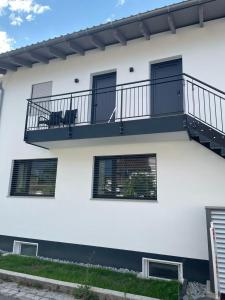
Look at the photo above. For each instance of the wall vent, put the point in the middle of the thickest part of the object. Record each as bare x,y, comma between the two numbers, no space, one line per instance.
25,248
162,269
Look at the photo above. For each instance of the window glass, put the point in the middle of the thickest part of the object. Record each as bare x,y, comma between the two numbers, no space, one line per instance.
34,177
28,249
127,177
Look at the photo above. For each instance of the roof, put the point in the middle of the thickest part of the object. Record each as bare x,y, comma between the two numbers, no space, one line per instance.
168,18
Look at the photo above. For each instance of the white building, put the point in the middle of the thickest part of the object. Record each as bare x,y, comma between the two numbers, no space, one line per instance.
112,175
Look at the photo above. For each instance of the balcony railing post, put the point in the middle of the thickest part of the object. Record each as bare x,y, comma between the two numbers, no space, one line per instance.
193,99
184,99
183,93
26,121
121,112
70,115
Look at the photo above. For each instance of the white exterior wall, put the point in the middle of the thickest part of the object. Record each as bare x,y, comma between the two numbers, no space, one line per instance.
190,177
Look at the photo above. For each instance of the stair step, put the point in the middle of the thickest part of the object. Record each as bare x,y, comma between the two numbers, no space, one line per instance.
222,152
207,136
203,139
194,133
215,146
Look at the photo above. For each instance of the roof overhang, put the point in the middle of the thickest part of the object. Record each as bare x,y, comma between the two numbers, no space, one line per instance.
168,18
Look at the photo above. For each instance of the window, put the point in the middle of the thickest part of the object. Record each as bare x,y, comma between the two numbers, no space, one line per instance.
25,248
43,90
35,177
162,269
125,177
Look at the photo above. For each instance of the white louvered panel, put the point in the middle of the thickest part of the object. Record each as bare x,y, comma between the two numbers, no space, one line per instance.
221,243
220,231
218,219
219,227
222,277
221,262
218,212
221,259
220,236
220,246
220,253
222,286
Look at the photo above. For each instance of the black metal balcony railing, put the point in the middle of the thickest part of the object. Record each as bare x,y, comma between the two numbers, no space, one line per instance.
129,101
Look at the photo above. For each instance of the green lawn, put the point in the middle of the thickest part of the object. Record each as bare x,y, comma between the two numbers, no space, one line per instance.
129,283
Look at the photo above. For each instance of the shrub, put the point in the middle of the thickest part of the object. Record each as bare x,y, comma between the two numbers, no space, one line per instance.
84,292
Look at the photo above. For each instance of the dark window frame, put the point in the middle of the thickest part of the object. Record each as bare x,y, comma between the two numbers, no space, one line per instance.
95,183
14,177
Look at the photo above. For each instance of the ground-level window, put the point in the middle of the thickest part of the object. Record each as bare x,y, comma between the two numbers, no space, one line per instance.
25,248
154,268
125,177
34,177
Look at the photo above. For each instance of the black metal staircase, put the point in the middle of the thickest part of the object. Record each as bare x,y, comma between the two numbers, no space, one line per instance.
205,111
206,136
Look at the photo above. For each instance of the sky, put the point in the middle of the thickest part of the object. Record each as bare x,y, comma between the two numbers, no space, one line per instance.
24,22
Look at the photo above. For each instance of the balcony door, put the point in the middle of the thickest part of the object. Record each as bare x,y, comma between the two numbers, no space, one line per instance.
166,88
104,98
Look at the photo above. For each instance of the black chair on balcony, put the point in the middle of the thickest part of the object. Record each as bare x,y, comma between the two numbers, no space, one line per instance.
70,117
54,120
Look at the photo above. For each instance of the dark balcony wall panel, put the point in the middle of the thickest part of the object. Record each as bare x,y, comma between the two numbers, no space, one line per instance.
135,127
56,134
155,125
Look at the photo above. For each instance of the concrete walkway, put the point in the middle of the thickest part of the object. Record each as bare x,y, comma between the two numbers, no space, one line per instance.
12,291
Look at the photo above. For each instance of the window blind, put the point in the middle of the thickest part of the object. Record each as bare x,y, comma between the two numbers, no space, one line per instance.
35,177
125,177
43,90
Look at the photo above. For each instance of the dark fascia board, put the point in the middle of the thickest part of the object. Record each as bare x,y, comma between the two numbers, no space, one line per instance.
134,127
86,33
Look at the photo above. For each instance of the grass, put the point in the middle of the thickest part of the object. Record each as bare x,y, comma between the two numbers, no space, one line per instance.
127,283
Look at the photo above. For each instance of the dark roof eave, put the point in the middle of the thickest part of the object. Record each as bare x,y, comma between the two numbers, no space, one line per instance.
101,28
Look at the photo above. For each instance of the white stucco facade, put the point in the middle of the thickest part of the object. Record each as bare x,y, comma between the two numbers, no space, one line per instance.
189,176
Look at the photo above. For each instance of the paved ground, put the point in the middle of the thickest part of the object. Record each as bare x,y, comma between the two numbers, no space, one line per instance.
6,298
12,291
196,291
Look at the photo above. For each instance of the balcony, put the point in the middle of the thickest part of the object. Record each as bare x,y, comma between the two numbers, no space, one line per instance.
142,107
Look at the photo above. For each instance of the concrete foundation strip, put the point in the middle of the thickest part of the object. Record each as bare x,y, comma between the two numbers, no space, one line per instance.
66,287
